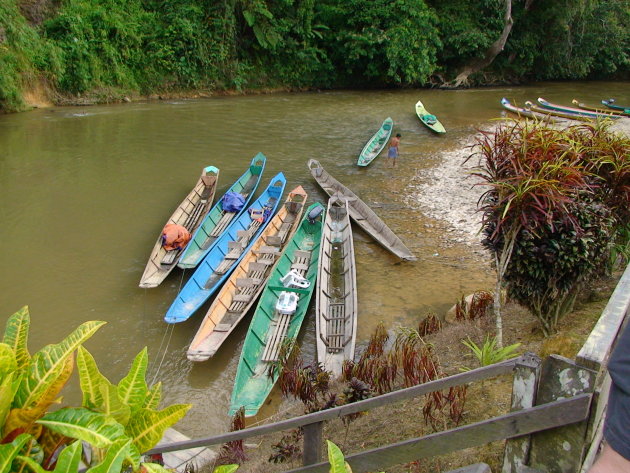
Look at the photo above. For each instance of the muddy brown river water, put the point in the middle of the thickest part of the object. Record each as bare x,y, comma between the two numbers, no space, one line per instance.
85,192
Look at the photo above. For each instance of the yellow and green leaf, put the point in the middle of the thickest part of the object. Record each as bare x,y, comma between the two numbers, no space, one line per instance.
154,396
146,427
9,451
113,461
133,387
47,364
8,388
8,362
225,469
336,459
155,468
80,423
25,417
90,379
69,458
16,336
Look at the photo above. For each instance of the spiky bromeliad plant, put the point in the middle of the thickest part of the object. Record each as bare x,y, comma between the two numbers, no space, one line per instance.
115,422
547,219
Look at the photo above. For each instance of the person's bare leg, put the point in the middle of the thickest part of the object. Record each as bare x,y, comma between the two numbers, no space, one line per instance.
610,461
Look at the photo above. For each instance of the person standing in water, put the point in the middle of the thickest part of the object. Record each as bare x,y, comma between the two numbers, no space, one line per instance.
393,149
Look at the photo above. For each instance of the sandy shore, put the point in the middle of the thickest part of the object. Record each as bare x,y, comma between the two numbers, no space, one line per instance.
450,193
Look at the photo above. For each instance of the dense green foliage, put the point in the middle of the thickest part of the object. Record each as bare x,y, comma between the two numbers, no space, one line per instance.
109,48
556,207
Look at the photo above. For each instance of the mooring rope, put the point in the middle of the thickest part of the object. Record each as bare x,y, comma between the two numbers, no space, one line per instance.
168,331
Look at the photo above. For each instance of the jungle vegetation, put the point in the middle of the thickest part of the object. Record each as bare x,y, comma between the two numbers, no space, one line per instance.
104,50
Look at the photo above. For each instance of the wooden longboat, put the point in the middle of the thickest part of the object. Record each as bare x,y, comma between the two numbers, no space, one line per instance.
361,213
225,253
524,112
430,121
273,329
555,113
583,106
575,111
336,308
188,214
247,281
610,103
217,219
376,144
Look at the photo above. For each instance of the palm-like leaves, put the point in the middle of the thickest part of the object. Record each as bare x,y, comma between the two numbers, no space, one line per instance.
16,336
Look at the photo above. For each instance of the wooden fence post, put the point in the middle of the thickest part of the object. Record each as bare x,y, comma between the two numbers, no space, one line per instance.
526,373
561,450
312,443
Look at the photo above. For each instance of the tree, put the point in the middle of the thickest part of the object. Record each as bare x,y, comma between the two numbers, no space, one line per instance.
544,217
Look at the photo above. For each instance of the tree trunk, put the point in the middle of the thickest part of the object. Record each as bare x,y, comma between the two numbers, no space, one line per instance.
493,51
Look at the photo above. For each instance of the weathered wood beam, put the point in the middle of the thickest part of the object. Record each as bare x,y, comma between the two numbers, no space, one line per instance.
514,424
359,406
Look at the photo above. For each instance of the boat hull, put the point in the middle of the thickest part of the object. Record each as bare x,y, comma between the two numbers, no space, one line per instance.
361,213
376,144
428,120
243,287
224,255
188,214
257,370
216,221
336,307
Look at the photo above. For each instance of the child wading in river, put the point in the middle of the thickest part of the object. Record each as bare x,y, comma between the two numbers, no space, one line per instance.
393,149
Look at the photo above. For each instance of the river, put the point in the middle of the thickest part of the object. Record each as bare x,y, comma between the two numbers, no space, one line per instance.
86,190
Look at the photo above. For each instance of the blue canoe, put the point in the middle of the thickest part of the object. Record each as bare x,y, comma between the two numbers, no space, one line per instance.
226,252
216,221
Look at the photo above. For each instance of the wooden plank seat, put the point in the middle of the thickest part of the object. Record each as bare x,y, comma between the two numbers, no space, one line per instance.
170,257
273,240
194,214
335,327
222,224
280,324
278,334
248,282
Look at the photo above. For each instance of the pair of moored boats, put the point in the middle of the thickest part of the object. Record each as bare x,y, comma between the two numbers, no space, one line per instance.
280,258
379,140
551,111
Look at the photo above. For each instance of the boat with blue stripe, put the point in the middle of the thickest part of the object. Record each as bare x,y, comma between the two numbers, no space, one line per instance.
217,220
226,252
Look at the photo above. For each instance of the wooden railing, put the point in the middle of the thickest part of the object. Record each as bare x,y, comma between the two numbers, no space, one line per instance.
553,424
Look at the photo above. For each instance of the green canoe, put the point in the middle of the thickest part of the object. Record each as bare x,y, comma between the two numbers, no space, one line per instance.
429,120
216,221
376,144
276,319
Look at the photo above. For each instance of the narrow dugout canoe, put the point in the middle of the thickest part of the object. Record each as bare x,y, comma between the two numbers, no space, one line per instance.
523,112
278,316
188,214
217,220
225,253
247,281
610,103
575,111
361,213
376,144
571,116
591,108
429,120
336,309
